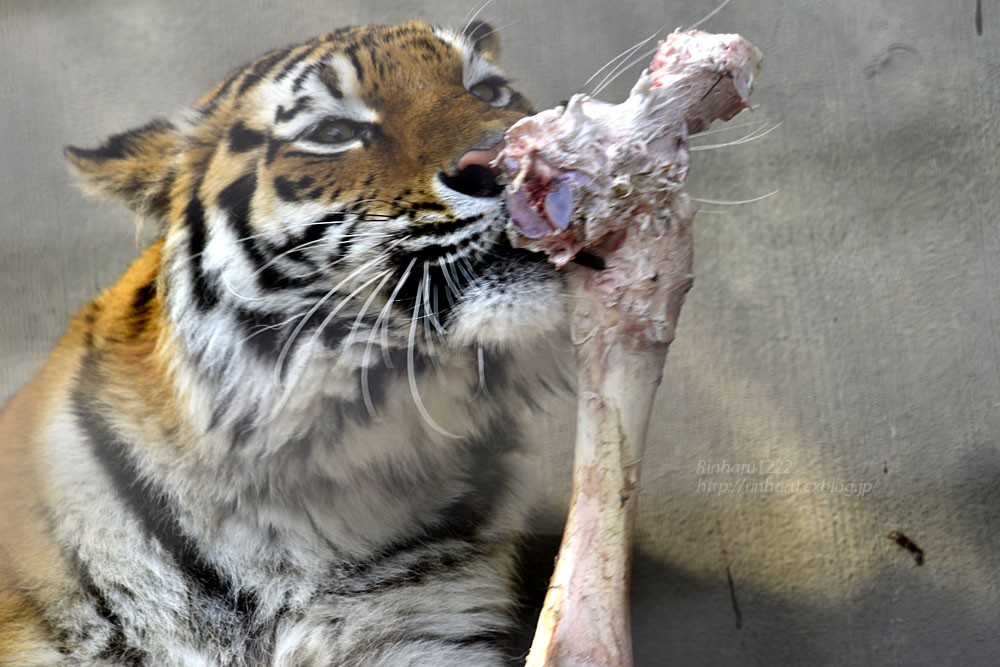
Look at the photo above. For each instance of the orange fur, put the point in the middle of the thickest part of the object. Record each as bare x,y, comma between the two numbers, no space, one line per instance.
33,571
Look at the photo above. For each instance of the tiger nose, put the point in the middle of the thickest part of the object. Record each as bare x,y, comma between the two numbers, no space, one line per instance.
482,158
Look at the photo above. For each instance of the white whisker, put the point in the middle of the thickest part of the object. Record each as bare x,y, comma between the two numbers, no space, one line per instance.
753,136
503,27
411,374
478,12
621,56
608,82
431,352
364,309
312,311
383,315
481,389
365,392
432,314
261,328
613,74
730,127
450,286
343,302
733,203
708,16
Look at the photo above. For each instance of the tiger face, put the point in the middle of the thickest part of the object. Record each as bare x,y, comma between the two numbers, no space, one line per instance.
348,173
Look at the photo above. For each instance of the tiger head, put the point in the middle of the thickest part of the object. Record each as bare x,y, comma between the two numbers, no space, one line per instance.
341,184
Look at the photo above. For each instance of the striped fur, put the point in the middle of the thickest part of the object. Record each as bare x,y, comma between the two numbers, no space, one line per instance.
287,435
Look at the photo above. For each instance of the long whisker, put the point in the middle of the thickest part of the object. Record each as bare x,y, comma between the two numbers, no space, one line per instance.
365,392
364,309
709,15
383,315
478,12
411,374
734,203
319,304
465,266
431,352
503,27
624,54
343,302
636,61
261,328
616,71
753,136
730,127
481,389
352,334
431,314
451,286
436,320
232,290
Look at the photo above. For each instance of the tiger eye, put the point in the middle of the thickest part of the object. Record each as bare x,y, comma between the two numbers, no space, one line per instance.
487,91
336,131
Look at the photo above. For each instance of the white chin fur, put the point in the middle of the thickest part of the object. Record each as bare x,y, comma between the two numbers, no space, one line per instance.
514,304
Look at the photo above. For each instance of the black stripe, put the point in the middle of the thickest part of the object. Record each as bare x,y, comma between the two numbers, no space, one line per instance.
487,476
120,146
141,312
264,332
261,69
149,503
352,53
431,49
117,647
314,231
303,75
328,77
431,206
221,92
290,65
441,228
235,199
272,149
205,294
90,316
457,525
293,191
301,104
380,573
242,138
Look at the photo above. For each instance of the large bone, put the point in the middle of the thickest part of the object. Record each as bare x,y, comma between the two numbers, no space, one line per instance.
602,184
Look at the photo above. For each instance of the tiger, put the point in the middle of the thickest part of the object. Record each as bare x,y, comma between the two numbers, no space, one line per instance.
289,434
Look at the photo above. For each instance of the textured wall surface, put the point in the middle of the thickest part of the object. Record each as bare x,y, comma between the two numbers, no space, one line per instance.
836,374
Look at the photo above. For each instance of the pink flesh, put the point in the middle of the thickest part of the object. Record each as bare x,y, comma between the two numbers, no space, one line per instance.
607,179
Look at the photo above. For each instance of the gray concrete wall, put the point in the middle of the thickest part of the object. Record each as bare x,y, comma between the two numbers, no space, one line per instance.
842,331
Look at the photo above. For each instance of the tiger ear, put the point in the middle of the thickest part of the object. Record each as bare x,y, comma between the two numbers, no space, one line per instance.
135,166
484,39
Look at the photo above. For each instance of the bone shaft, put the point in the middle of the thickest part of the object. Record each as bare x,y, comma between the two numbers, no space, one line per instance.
591,579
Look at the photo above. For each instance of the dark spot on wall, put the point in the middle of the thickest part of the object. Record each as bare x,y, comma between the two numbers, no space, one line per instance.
906,543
